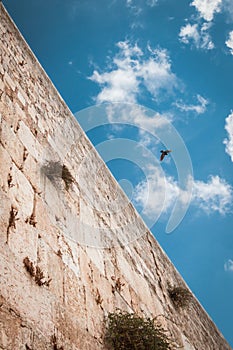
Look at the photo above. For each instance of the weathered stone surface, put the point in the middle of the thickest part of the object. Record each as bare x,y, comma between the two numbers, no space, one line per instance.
65,256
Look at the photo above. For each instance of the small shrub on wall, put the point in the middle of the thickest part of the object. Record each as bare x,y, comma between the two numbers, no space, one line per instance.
55,171
127,331
179,296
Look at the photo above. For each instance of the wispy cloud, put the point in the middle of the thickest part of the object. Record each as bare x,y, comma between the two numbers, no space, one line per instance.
207,8
215,195
197,31
133,70
229,42
134,7
197,108
228,266
158,193
197,34
229,140
152,3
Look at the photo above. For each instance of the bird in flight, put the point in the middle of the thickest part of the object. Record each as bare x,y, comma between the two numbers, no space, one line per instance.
164,153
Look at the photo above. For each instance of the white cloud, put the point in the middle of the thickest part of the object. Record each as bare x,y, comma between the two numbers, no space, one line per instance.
138,116
197,34
229,42
228,266
207,8
198,108
158,194
229,141
152,3
156,73
189,32
213,196
133,70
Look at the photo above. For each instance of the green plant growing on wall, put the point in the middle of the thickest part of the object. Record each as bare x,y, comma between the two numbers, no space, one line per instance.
55,171
179,296
36,273
128,331
67,177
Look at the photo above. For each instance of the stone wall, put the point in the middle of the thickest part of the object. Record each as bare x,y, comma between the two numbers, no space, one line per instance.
72,248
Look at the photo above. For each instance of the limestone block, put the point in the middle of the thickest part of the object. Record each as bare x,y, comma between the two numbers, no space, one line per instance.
85,271
97,257
121,304
55,271
109,266
19,114
33,113
5,209
32,170
29,141
95,319
71,326
21,92
9,81
2,28
88,233
11,118
10,329
23,241
21,194
47,230
5,177
11,143
21,98
69,252
57,144
70,222
135,280
54,197
103,292
33,302
1,82
186,344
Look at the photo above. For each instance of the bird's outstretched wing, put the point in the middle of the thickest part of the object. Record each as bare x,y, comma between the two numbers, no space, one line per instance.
162,156
164,153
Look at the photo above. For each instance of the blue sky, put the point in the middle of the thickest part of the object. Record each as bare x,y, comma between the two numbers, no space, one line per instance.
169,65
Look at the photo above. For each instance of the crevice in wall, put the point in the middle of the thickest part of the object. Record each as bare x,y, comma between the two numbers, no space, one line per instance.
25,154
9,179
63,286
54,342
118,285
12,220
17,126
98,298
32,219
